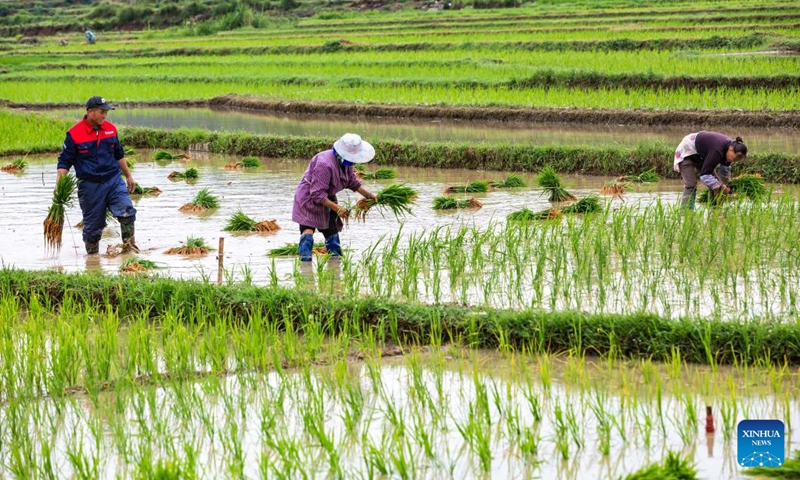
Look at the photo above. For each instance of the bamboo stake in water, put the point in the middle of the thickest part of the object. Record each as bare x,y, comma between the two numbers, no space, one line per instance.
220,257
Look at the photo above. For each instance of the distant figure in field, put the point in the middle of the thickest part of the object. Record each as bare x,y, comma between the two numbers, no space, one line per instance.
707,155
63,42
90,38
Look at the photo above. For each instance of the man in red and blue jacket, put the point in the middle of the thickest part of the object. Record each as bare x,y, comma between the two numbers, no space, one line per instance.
93,148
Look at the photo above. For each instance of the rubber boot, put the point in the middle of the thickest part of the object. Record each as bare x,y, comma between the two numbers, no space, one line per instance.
333,246
687,200
92,248
306,247
128,238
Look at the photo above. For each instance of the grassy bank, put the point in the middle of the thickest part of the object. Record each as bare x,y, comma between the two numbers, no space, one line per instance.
648,336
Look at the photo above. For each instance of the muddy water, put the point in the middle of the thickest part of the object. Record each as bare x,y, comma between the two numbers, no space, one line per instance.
402,399
264,194
759,140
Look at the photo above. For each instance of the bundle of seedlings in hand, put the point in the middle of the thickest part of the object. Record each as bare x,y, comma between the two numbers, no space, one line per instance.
203,201
17,166
162,155
396,198
240,222
293,249
526,215
54,223
450,203
590,204
137,265
189,174
140,190
193,246
749,186
382,173
511,181
648,176
550,181
614,187
478,186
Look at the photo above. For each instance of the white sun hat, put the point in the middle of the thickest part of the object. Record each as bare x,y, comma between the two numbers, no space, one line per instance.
353,149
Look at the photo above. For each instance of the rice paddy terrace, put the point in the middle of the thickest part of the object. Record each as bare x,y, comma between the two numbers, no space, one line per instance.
490,333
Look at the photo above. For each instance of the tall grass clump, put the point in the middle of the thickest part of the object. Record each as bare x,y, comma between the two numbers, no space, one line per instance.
478,186
54,223
189,174
16,166
511,181
551,182
204,200
193,246
395,198
450,203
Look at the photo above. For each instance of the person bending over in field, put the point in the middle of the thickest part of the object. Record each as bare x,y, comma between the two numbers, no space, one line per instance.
315,204
707,155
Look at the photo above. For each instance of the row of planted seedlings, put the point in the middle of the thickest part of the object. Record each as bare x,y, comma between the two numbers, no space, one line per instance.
200,391
739,260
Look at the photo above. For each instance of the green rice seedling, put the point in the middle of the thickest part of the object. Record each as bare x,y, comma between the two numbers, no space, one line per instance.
240,222
450,203
751,186
204,200
648,176
478,186
396,198
137,265
511,181
382,173
250,162
551,182
293,249
140,190
674,466
590,204
189,174
54,223
162,155
193,246
16,166
526,215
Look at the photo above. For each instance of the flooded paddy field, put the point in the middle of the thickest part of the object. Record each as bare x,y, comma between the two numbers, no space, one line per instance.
639,255
758,139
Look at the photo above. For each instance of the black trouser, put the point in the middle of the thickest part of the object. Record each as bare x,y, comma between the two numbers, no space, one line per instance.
328,232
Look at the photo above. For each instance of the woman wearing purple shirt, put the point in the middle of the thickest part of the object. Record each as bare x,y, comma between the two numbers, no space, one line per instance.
707,155
315,205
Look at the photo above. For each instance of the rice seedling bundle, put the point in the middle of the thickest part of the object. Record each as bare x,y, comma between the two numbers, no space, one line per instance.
54,223
16,166
203,201
140,190
382,173
250,162
450,203
293,249
189,174
526,215
267,226
193,246
648,176
233,166
240,222
396,198
590,204
137,265
478,186
511,181
614,187
551,182
749,186
162,155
